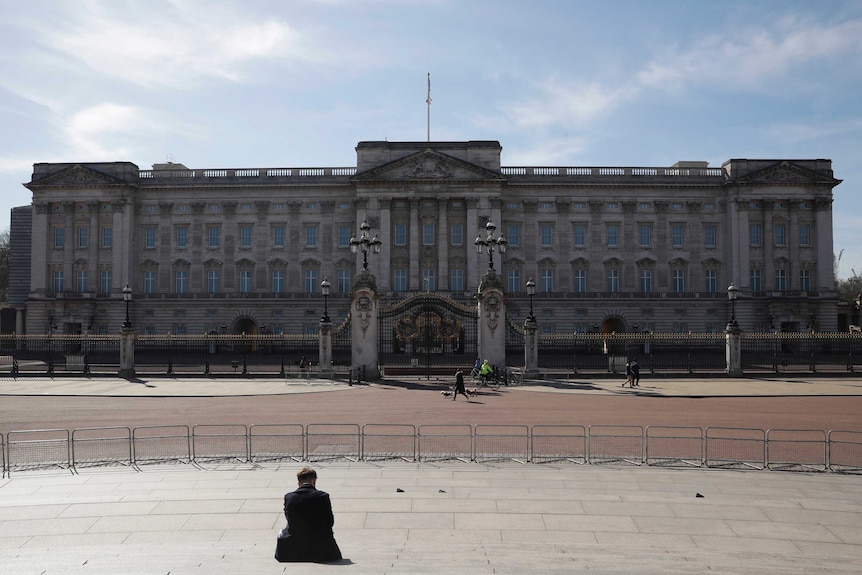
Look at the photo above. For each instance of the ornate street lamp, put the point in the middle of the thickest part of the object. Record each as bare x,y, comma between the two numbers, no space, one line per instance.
531,291
365,243
732,293
324,289
490,244
127,297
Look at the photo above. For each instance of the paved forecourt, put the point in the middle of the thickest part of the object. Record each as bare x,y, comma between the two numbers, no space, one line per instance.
443,518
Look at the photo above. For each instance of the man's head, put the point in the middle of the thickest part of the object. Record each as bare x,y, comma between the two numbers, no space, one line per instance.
306,475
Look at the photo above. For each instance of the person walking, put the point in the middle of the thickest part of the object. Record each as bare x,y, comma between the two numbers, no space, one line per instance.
629,377
459,386
636,372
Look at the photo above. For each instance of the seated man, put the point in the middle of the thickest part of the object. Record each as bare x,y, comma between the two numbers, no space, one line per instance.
308,534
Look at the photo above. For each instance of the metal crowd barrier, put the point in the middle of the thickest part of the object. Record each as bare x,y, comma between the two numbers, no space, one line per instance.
58,450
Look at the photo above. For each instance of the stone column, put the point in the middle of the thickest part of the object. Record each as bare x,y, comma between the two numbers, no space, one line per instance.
325,348
127,353
733,349
364,327
531,348
492,319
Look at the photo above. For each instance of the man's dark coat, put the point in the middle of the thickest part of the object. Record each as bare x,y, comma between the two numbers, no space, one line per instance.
308,534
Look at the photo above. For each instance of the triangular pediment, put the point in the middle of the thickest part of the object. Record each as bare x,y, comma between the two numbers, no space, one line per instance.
786,173
427,166
78,175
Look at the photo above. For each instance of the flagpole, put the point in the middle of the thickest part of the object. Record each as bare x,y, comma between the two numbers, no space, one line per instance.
428,101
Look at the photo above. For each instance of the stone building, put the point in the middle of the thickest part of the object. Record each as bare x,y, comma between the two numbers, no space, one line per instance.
609,248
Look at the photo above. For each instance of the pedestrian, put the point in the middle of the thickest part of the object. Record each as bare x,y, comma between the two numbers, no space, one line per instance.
629,377
303,367
486,372
636,372
308,533
459,386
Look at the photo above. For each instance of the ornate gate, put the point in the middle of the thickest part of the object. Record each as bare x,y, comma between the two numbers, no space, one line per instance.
427,333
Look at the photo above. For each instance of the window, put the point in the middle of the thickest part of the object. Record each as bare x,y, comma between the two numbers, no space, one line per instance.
645,280
456,280
711,281
644,206
149,237
779,234
310,236
780,279
213,233
182,281
709,206
513,206
428,234
81,280
709,236
457,234
245,236
546,279
343,281
428,280
579,206
755,234
278,236
804,235
311,281
805,280
182,237
612,205
107,237
514,233
612,235
245,281
546,205
678,281
83,237
213,277
581,281
645,235
677,234
613,282
59,237
677,206
245,207
278,281
149,281
580,235
343,236
58,282
754,276
400,235
399,280
513,281
105,281
546,233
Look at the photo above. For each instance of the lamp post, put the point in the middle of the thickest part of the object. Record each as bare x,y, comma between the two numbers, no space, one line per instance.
324,289
365,243
732,293
531,291
127,297
490,244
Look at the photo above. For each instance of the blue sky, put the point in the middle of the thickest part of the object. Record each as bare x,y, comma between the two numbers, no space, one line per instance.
297,83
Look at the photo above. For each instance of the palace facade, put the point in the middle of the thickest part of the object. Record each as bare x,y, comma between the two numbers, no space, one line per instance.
609,248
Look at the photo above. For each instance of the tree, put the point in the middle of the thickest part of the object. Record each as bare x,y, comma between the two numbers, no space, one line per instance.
4,264
848,289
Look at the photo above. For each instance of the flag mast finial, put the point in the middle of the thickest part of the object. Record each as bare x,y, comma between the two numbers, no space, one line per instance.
428,101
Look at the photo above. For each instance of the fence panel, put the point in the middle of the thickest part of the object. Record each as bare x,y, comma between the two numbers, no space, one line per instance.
274,442
219,443
38,450
552,443
327,441
2,456
161,444
845,451
445,442
101,446
388,441
796,450
734,447
616,444
501,443
674,446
